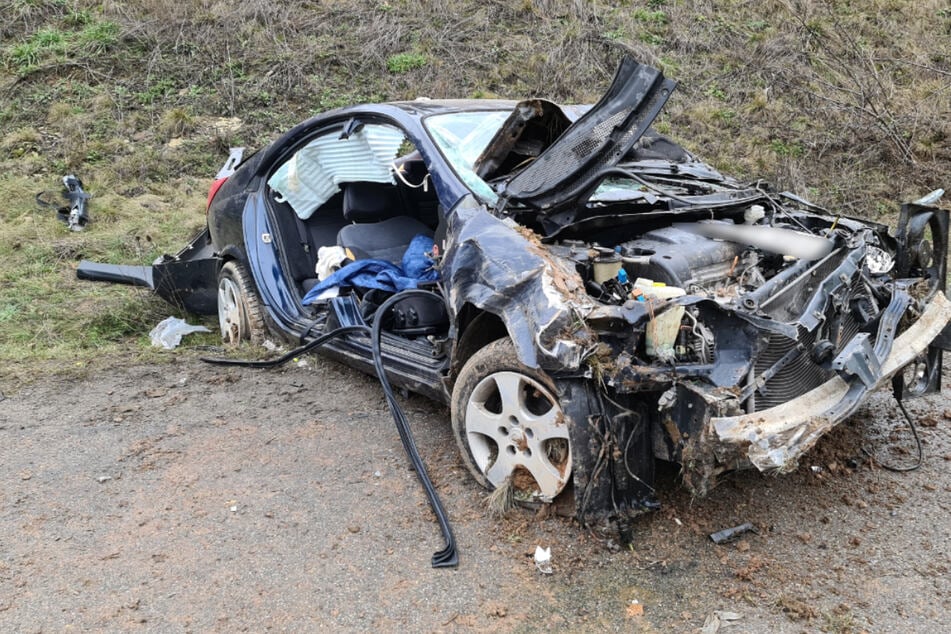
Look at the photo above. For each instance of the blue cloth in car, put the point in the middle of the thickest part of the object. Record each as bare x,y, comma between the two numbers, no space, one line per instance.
415,267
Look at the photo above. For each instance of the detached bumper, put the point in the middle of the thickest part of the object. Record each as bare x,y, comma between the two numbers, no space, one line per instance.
775,438
188,279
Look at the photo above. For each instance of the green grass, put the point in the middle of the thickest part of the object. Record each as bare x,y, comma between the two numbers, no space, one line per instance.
48,318
58,42
405,62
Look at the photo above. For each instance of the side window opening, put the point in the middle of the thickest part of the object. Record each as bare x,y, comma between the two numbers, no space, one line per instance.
334,191
315,172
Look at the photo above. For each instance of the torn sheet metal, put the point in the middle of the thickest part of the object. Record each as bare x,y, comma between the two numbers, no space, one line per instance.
537,297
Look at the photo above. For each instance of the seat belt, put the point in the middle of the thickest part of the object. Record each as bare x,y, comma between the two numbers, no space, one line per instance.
302,235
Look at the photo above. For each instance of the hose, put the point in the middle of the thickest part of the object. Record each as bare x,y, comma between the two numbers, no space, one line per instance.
448,557
919,458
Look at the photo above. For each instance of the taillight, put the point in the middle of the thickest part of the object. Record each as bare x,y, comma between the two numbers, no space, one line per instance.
214,190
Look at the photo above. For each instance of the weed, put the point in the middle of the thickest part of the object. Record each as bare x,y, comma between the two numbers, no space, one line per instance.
405,62
156,91
28,54
840,620
78,17
717,93
784,148
98,37
725,115
19,142
177,122
654,18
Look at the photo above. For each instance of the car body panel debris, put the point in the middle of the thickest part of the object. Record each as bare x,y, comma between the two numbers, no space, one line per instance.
75,214
597,296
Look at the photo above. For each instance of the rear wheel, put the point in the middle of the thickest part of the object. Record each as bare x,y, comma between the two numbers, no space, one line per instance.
510,426
240,315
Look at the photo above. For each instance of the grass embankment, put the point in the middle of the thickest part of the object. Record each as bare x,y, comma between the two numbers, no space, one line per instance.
846,103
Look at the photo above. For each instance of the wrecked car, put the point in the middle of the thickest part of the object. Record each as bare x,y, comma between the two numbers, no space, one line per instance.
596,297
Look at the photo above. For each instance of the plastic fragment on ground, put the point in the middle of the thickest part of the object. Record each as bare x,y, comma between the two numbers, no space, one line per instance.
543,560
729,534
169,332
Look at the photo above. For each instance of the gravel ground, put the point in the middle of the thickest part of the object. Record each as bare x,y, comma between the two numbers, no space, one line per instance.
185,497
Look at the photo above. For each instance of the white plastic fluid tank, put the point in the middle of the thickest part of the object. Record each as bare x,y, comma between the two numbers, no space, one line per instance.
663,328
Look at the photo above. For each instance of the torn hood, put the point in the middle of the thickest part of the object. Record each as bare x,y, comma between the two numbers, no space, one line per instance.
559,174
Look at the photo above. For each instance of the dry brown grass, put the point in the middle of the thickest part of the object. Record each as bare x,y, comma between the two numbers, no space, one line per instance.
845,103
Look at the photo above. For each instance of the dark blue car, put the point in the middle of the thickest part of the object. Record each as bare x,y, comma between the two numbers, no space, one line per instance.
588,295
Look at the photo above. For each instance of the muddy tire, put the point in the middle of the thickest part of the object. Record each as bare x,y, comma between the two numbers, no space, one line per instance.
509,425
240,314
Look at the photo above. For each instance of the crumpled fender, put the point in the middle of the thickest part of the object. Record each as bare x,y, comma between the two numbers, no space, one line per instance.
537,296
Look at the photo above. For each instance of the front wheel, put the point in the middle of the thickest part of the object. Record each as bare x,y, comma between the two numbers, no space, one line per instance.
240,315
509,425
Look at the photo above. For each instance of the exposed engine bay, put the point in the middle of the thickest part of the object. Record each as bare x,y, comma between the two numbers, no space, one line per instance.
747,310
746,267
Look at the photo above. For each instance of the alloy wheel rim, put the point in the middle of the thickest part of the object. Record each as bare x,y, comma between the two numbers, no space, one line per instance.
516,430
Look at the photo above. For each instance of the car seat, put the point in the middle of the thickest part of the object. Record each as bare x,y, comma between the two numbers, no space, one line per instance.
381,229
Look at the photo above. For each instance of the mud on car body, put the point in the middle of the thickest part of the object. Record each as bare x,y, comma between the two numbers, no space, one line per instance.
603,297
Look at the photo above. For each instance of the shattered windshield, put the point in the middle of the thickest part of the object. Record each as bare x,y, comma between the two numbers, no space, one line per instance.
461,137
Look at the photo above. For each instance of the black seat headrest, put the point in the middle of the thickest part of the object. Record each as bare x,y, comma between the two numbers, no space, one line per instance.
371,202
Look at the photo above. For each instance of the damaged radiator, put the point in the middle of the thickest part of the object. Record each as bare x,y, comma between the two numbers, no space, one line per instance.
802,372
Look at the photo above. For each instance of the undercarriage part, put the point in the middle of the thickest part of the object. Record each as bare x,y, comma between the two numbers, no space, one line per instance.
612,455
447,557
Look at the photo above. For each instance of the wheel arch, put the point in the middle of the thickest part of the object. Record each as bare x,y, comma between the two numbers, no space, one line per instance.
233,252
475,328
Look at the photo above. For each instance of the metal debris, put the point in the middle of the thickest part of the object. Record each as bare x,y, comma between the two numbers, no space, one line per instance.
74,214
729,534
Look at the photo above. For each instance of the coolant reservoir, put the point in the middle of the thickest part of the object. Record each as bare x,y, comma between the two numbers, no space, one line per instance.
606,266
662,329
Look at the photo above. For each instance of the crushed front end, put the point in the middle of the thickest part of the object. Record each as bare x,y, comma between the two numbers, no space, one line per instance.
738,341
682,314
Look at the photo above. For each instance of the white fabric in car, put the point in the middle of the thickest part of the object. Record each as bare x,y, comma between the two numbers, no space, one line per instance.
315,172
